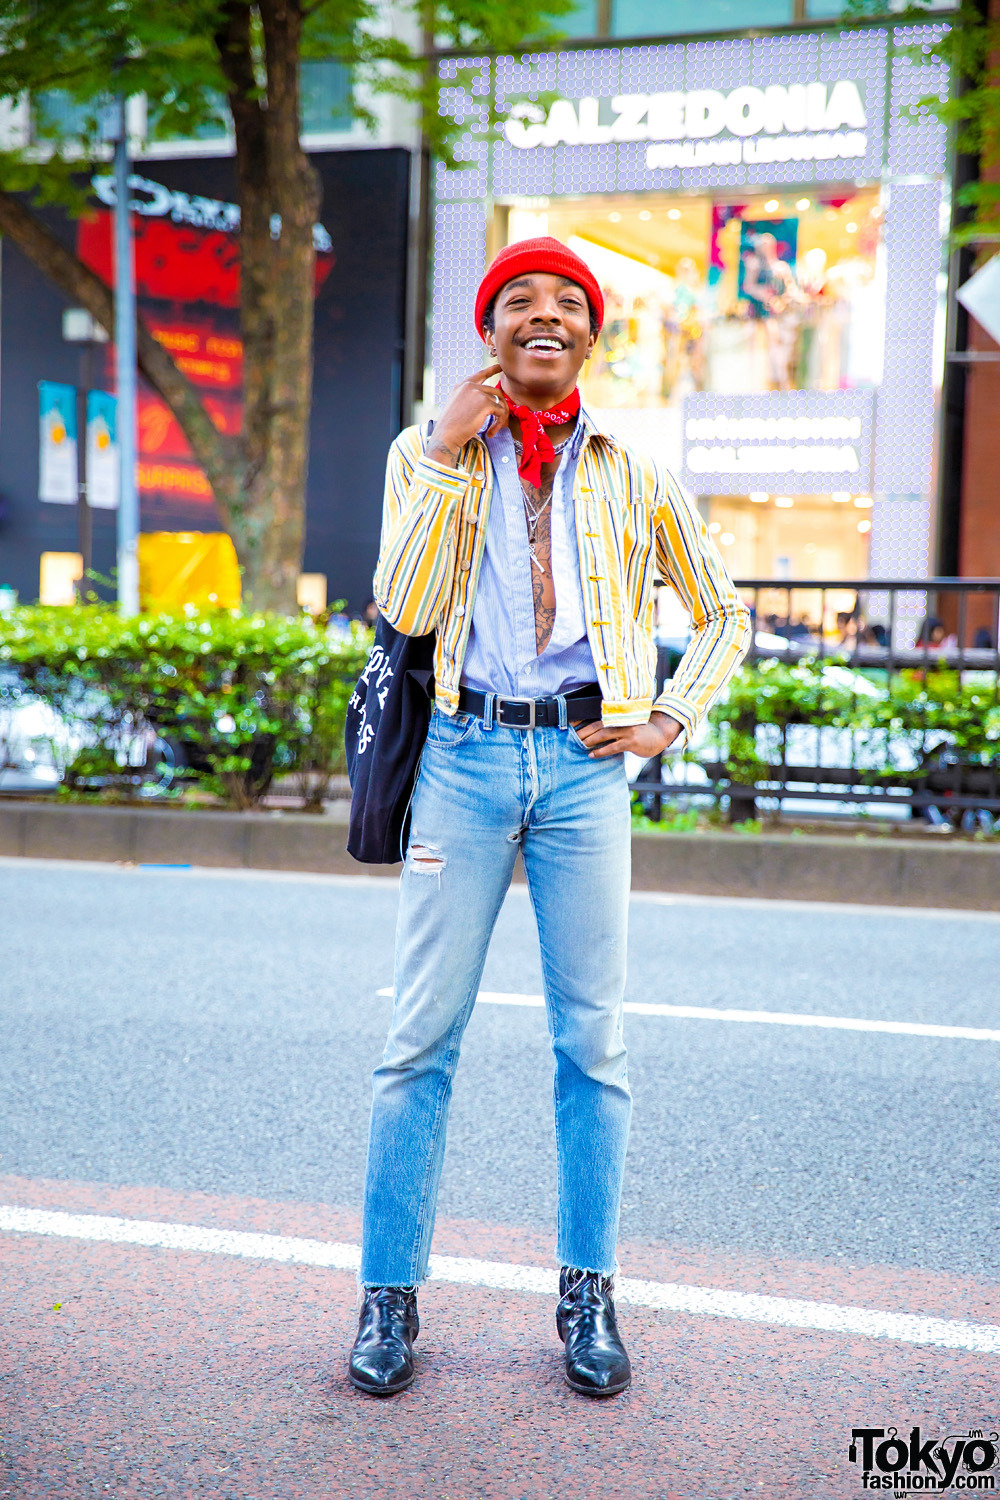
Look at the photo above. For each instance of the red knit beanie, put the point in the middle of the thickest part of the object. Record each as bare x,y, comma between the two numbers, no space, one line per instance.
542,254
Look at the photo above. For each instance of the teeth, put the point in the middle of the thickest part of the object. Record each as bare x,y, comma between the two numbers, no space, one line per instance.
543,344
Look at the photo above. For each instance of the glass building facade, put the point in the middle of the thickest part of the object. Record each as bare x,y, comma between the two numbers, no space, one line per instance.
765,223
326,91
657,18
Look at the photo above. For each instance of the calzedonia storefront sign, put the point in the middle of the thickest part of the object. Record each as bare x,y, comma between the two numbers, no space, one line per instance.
706,127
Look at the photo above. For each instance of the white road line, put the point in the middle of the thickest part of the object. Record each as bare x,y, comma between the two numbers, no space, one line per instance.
765,1017
660,1296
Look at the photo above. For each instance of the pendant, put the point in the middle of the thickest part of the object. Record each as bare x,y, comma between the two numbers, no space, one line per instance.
534,559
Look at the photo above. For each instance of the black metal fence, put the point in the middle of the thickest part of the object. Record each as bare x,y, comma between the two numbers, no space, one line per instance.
933,631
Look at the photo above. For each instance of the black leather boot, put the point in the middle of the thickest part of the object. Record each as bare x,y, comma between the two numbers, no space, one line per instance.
596,1362
382,1357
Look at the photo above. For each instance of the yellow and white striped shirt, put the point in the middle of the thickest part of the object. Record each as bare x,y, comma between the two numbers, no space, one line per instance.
633,525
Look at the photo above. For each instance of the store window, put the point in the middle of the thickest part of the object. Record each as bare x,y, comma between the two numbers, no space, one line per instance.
666,17
768,292
582,20
832,10
59,576
792,536
55,114
326,97
325,107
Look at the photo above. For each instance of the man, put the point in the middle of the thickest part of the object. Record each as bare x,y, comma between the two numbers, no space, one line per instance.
529,540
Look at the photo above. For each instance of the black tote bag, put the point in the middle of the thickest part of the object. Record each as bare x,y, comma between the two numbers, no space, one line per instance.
384,734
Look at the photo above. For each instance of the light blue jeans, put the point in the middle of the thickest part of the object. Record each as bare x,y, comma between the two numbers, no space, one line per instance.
480,795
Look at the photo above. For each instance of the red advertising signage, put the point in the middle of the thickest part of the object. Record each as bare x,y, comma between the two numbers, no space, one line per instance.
187,271
186,224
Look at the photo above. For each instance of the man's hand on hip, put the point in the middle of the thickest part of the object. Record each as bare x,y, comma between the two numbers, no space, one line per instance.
646,740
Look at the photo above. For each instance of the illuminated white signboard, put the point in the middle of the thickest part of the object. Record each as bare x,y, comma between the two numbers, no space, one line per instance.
153,200
706,127
802,441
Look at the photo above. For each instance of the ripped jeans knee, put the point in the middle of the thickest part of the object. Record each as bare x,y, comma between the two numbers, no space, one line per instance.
426,859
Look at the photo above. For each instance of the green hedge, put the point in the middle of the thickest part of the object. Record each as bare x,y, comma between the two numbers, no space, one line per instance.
249,696
891,720
246,696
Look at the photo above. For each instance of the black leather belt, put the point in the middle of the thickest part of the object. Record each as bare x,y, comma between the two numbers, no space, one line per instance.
534,713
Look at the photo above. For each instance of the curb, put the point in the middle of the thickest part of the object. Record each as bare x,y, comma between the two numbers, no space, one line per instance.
868,870
876,871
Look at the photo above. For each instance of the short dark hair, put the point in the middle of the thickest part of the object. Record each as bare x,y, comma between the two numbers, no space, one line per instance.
490,322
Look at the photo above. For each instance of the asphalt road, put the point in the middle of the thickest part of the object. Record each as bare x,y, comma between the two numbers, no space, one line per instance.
195,1047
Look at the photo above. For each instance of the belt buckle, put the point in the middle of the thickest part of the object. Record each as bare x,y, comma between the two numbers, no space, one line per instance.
528,702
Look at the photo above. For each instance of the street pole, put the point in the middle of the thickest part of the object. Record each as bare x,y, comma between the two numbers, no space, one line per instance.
125,341
85,520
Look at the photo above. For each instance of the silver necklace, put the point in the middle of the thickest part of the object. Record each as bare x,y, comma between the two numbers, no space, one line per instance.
557,448
533,515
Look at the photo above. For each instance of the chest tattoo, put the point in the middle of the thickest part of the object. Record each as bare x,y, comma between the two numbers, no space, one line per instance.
538,521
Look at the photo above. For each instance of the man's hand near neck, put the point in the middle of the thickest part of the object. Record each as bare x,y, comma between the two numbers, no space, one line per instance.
470,404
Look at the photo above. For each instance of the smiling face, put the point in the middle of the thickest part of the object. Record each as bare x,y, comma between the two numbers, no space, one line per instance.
540,338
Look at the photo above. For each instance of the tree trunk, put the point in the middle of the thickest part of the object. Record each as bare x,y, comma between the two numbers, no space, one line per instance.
276,184
259,479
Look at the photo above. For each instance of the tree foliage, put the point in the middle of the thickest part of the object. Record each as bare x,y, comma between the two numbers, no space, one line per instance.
971,49
181,57
238,63
242,697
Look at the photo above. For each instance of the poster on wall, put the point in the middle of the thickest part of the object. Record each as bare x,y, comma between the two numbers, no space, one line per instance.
103,455
186,227
57,460
187,273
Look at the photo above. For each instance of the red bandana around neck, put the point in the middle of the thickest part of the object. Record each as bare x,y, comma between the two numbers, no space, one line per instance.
537,446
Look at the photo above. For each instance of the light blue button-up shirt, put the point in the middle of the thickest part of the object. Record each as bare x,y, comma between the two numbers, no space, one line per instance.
501,656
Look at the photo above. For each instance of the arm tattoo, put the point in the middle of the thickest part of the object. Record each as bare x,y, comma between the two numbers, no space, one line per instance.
442,453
